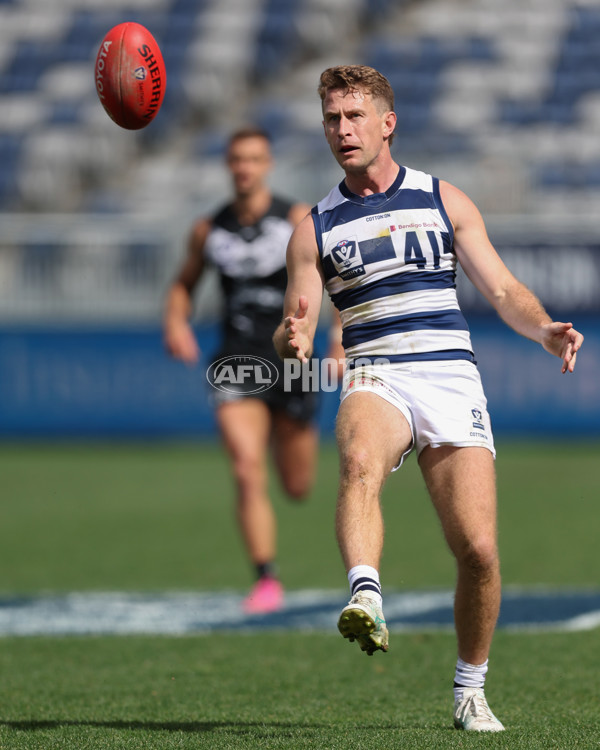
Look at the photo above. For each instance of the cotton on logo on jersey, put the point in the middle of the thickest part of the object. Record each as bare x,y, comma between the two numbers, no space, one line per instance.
479,430
347,259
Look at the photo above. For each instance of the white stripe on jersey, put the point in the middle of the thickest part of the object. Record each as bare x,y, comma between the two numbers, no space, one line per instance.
400,304
411,342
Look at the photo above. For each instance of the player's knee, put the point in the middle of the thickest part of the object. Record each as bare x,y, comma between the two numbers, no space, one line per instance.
298,485
480,557
357,465
248,472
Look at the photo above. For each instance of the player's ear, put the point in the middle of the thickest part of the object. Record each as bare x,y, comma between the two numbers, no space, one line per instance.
389,123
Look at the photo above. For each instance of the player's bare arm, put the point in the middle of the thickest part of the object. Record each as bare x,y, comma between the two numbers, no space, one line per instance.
179,337
294,336
335,350
297,212
517,305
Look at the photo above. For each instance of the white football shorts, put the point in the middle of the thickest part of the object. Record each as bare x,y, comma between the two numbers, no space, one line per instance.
443,401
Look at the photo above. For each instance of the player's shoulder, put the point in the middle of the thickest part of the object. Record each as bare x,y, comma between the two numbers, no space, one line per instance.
280,206
225,217
455,199
304,239
288,210
199,231
332,200
415,179
461,210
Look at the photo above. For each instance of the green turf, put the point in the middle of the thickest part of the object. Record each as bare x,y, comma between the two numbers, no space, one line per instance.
289,691
155,517
159,517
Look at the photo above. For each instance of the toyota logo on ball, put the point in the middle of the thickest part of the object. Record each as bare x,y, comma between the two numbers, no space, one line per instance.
245,373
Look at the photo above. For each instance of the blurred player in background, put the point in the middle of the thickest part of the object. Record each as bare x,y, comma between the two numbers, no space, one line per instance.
385,243
246,242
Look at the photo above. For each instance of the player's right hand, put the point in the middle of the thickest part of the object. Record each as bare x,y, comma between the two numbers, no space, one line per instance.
297,328
181,343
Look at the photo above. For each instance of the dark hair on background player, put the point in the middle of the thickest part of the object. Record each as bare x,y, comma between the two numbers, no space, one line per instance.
358,77
249,131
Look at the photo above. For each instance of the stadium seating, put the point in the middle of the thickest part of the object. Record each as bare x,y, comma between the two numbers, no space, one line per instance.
576,73
278,42
521,87
415,69
10,148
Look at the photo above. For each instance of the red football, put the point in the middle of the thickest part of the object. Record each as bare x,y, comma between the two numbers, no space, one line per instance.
130,75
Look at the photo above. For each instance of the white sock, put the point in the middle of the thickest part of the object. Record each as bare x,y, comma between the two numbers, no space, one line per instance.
364,578
468,676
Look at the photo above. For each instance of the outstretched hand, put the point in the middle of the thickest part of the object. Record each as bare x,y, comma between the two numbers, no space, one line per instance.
297,329
181,343
564,341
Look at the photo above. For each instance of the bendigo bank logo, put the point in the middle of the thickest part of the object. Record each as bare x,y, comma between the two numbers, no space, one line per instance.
242,374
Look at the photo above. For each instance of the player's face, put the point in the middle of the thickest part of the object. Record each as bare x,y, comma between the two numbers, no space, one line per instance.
249,161
355,128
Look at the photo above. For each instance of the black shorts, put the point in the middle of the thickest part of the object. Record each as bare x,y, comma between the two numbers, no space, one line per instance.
234,377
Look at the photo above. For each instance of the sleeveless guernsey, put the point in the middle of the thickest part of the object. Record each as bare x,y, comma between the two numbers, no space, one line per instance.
390,269
250,261
251,265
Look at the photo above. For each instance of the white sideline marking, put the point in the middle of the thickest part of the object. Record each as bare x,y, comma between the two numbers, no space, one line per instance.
172,613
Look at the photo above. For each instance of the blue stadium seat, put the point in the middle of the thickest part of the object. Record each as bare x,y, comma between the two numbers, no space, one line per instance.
278,42
179,30
568,176
577,73
30,60
10,154
66,112
414,69
85,34
89,28
382,8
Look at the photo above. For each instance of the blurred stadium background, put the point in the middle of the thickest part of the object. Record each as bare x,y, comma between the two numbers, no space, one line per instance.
502,100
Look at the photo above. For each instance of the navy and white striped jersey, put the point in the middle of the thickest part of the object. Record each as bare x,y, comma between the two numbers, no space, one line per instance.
390,269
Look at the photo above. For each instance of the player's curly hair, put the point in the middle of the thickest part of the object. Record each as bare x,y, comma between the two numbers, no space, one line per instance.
358,77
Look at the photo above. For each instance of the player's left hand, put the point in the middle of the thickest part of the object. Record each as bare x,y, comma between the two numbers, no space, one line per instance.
564,341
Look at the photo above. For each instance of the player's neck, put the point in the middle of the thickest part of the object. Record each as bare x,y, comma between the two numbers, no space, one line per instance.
251,207
372,180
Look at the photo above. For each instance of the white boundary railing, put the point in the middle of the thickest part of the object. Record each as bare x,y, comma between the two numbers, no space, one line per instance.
104,268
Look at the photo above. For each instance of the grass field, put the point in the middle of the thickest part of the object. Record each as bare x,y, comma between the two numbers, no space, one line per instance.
158,517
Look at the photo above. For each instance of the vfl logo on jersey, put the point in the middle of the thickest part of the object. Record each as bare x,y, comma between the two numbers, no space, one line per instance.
347,259
477,416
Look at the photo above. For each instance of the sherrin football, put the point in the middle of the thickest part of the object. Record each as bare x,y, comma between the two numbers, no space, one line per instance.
130,75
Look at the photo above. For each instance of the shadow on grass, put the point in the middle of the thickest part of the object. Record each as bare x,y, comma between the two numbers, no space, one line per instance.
193,727
154,726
